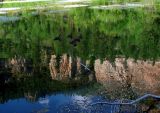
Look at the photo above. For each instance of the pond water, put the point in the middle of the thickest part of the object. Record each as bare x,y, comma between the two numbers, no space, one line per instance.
50,104
56,103
83,32
41,48
42,95
61,103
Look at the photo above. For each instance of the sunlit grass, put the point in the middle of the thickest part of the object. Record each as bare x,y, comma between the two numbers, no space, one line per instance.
42,3
51,3
25,4
106,2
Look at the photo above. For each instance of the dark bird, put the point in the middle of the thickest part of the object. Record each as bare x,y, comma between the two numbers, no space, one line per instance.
58,38
75,41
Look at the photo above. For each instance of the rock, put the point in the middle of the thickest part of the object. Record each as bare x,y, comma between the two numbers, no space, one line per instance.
68,67
155,111
65,67
142,76
52,67
17,65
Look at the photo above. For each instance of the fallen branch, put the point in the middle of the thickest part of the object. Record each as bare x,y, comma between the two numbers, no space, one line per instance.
129,103
85,67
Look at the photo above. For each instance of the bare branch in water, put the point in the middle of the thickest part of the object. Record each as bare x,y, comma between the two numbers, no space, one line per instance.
129,103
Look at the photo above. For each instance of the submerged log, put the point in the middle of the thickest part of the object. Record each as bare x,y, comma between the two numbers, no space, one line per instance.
132,102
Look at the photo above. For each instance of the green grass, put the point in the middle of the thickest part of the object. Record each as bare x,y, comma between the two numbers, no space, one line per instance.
106,2
94,2
28,4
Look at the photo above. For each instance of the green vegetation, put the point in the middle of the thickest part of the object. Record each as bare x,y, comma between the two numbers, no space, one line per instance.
107,2
25,5
86,33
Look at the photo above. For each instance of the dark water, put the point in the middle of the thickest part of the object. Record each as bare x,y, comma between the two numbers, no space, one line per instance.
61,103
58,103
42,95
49,104
32,37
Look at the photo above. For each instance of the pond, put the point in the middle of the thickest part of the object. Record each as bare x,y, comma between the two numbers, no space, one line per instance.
42,95
59,103
48,54
35,99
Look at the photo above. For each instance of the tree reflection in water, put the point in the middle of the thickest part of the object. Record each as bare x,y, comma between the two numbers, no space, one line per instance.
89,34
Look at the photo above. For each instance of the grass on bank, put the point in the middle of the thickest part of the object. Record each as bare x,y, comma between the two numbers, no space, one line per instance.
25,4
52,2
32,5
107,2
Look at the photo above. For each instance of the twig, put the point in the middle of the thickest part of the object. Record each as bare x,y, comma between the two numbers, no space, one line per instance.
129,103
85,67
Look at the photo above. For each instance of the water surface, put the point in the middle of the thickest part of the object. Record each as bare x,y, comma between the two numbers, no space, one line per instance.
30,38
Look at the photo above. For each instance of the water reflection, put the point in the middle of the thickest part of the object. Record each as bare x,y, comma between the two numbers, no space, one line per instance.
59,103
21,105
29,44
44,95
85,33
36,47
